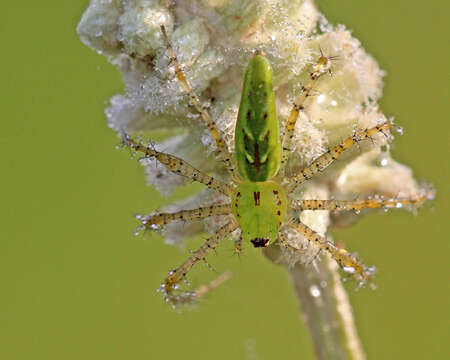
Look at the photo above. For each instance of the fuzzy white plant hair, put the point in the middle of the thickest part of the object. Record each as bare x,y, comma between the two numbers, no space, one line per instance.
214,40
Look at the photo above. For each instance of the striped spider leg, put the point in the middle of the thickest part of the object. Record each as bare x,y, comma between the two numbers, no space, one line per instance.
347,261
177,165
154,221
170,288
202,111
322,66
369,203
238,245
332,154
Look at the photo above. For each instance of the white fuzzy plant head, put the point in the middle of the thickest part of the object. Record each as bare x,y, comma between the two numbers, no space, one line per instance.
214,40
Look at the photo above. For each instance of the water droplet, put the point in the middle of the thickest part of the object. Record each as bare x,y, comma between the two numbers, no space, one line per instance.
321,98
138,230
314,291
349,269
384,162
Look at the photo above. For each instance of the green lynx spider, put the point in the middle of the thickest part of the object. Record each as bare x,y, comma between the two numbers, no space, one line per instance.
260,204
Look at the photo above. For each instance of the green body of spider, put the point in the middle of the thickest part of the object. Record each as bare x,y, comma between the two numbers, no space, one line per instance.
259,205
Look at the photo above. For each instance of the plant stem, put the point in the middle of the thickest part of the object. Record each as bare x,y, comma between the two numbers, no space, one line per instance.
325,308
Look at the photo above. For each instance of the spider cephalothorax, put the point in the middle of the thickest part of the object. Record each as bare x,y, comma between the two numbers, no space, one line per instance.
260,209
259,191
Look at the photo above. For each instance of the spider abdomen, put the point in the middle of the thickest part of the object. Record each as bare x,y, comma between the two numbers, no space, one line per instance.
257,143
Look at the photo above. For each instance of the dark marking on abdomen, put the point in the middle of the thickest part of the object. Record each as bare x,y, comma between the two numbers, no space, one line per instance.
257,198
256,163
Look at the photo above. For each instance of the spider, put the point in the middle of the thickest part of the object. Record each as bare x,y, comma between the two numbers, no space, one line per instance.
260,205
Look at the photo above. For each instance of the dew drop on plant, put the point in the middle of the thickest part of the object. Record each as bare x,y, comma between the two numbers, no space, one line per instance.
349,269
314,291
138,230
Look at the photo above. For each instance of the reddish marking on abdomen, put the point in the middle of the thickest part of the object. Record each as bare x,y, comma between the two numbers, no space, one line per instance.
257,198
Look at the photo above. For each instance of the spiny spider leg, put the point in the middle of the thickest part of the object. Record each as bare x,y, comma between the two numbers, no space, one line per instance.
326,159
371,203
169,287
195,101
348,262
154,221
238,245
321,67
178,166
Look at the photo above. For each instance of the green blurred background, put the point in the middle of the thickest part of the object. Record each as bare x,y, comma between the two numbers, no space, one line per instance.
77,284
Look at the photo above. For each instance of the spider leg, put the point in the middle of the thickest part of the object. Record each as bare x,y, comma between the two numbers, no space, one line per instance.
154,221
203,112
357,205
170,289
348,262
178,166
238,245
320,68
326,159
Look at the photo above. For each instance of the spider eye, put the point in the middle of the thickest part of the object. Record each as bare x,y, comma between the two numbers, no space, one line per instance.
260,242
